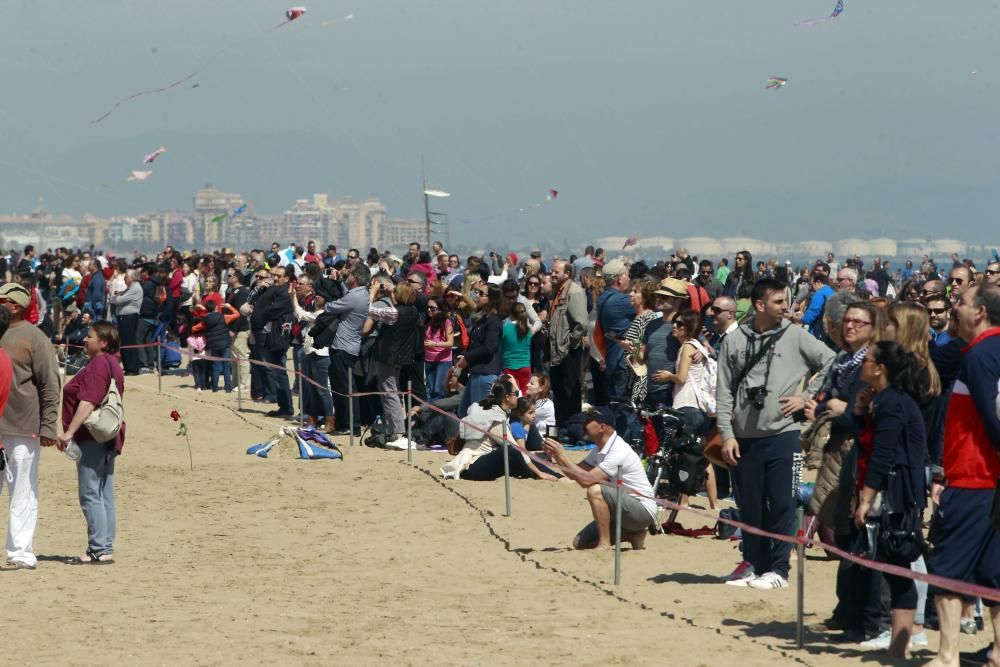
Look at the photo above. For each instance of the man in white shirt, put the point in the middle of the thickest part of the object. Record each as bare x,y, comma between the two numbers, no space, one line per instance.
598,474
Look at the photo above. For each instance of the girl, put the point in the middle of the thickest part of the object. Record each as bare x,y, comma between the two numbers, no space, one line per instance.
539,390
515,345
439,340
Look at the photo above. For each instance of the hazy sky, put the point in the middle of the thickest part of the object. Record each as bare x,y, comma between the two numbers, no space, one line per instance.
650,117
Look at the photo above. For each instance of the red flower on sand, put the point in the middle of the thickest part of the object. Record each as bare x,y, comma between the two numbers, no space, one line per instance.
176,416
182,430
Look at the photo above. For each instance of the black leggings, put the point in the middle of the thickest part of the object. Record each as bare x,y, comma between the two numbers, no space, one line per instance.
490,467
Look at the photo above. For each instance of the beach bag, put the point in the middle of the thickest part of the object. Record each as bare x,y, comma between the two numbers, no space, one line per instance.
725,531
704,387
106,420
900,534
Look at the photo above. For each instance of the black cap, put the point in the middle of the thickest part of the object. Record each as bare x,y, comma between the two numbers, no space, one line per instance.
601,415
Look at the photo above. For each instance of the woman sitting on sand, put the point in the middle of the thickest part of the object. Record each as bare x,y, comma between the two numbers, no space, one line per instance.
483,429
539,390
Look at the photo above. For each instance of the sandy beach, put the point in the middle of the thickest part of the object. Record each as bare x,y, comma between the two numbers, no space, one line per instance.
369,560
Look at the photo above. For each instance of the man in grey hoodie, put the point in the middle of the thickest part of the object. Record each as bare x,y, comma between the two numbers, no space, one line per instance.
756,405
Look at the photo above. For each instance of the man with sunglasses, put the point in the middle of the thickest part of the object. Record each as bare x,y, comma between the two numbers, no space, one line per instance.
992,273
706,279
960,280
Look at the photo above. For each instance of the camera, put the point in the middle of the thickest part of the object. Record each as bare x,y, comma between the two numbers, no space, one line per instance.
551,431
756,396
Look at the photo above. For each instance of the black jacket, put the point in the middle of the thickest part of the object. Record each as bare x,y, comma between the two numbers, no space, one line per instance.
149,308
397,344
236,298
216,332
483,355
273,307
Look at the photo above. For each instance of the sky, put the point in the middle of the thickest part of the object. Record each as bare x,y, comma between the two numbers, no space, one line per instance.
650,117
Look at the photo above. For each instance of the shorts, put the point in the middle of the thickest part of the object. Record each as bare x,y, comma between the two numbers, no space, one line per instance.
966,546
635,517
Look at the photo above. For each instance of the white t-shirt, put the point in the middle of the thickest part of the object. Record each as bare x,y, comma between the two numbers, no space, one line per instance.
616,452
545,414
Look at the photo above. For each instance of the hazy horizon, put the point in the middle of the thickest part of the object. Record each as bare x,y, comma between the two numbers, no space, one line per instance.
650,119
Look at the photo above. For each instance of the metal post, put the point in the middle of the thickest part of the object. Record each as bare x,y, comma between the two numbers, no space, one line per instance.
350,403
159,369
800,550
236,381
409,423
506,470
618,527
302,410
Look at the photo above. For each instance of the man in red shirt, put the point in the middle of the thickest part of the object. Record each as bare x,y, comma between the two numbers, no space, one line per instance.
966,545
311,256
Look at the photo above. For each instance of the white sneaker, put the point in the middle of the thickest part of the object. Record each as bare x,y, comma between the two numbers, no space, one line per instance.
879,643
743,568
400,443
767,581
742,580
919,640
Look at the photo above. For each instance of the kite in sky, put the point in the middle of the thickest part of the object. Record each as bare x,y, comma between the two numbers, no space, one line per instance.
239,209
551,196
630,241
808,23
149,159
219,218
776,82
290,15
139,175
236,211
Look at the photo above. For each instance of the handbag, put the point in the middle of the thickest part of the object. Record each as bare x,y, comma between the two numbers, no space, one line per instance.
900,536
105,422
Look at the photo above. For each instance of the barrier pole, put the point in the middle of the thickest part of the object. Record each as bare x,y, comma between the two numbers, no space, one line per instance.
506,470
236,381
350,403
302,409
618,528
159,369
65,362
800,550
409,424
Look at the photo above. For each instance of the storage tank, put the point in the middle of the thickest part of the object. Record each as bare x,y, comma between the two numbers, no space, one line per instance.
813,249
848,248
702,247
942,248
882,248
760,250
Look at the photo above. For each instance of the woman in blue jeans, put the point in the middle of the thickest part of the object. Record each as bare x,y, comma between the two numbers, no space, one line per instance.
439,339
96,468
482,359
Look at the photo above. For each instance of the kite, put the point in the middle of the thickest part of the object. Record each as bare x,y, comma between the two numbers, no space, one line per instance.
291,15
219,218
550,196
139,175
809,23
776,82
437,193
149,159
630,241
236,211
239,209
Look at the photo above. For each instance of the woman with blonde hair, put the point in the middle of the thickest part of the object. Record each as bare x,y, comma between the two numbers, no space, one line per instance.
908,324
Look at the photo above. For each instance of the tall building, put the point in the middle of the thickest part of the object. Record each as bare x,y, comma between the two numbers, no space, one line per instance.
210,202
344,222
398,234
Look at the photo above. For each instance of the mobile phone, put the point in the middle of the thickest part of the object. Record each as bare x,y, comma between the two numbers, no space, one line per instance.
551,431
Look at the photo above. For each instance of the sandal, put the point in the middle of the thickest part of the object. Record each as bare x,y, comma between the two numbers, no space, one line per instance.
93,559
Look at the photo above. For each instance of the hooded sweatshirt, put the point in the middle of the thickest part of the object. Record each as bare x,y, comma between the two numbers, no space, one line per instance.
796,355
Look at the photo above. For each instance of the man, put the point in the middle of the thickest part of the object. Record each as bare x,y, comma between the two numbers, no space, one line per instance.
598,474
706,279
239,329
966,545
437,248
148,312
567,329
659,347
412,256
698,297
761,364
351,311
311,257
29,421
127,304
584,262
992,273
831,261
94,303
272,316
615,313
260,380
331,258
27,260
847,280
684,258
931,289
813,317
724,322
960,280
939,312
353,257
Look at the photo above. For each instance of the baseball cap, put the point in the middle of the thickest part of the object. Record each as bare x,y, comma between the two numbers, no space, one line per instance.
601,415
614,268
673,287
16,293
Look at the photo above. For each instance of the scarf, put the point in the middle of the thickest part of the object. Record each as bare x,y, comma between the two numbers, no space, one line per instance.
845,370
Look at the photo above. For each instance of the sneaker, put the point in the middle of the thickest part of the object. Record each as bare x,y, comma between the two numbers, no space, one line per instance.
767,581
145,371
968,626
743,568
21,565
879,643
917,641
400,443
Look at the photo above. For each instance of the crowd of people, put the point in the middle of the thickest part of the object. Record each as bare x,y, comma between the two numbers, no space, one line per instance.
887,381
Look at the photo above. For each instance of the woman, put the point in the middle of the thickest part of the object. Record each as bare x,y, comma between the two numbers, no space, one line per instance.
908,324
439,341
317,401
515,345
481,457
95,470
482,359
643,299
212,291
396,346
540,391
741,275
215,328
687,324
898,449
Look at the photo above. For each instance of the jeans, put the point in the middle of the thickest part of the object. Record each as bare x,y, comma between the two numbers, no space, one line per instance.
127,326
566,386
200,370
318,402
478,388
144,331
279,380
392,408
437,373
341,364
221,367
95,474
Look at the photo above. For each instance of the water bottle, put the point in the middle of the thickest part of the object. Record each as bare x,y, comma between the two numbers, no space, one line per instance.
73,451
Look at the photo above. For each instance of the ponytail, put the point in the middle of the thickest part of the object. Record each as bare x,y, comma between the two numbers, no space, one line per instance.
902,368
498,392
519,314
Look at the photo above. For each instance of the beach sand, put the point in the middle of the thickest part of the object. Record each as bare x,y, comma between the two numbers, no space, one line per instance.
369,560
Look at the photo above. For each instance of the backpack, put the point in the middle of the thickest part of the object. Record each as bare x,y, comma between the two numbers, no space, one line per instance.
704,388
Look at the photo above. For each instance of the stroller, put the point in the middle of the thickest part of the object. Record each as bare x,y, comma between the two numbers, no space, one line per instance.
678,467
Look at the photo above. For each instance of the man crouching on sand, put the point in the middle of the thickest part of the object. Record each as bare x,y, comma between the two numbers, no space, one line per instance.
597,474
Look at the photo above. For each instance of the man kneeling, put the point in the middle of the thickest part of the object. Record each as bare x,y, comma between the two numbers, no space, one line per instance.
597,473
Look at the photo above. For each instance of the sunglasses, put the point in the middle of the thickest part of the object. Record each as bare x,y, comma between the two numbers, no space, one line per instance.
717,310
991,273
957,281
937,311
860,324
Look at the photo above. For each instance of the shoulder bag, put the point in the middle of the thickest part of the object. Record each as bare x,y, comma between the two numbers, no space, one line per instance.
105,422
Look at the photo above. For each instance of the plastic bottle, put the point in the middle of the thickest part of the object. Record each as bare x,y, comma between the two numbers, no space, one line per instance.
73,451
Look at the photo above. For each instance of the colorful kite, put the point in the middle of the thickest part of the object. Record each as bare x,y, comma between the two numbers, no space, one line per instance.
219,218
776,82
149,159
809,23
630,241
291,15
551,196
239,209
139,175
